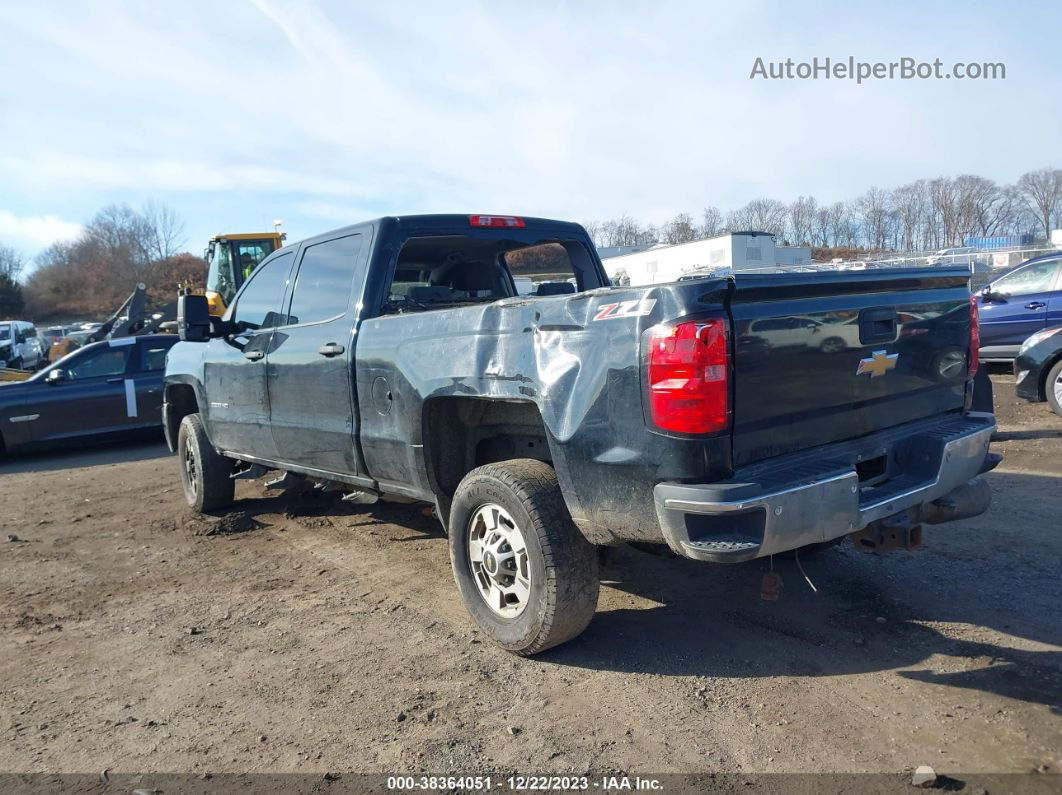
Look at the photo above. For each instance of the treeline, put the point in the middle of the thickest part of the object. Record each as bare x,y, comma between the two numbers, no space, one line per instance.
120,247
11,265
921,215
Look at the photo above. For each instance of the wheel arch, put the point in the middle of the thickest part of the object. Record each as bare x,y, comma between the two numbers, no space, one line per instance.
180,398
1046,372
461,433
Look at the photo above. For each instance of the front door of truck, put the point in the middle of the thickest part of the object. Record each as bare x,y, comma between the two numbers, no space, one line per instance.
310,361
235,370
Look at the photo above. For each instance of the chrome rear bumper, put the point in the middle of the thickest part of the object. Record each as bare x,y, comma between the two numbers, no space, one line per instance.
817,495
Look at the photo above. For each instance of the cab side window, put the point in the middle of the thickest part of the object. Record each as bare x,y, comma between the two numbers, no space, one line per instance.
1036,278
257,304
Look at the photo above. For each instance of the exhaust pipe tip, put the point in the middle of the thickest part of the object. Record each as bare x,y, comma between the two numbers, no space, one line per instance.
970,499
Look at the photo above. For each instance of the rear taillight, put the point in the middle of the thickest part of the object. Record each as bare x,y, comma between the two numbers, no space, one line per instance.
496,221
688,367
975,338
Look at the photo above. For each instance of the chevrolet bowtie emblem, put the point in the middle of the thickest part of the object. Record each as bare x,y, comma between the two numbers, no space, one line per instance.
877,364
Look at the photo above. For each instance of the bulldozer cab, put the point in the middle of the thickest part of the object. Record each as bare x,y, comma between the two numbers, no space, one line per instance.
231,259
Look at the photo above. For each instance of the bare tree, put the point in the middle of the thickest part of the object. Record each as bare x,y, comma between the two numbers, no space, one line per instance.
1042,192
593,229
874,215
846,227
760,215
164,229
910,204
680,229
626,231
711,222
94,273
802,219
11,263
944,199
822,227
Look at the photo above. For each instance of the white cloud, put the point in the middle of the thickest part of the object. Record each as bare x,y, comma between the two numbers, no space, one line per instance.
572,110
34,232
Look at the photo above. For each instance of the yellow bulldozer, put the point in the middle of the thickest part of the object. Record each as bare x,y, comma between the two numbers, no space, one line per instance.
231,259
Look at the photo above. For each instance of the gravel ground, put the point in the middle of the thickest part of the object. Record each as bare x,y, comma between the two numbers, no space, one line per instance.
303,634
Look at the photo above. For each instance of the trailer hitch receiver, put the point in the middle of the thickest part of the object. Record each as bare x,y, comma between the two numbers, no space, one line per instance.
893,532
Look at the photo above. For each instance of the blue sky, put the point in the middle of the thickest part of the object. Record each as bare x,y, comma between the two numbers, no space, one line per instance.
236,112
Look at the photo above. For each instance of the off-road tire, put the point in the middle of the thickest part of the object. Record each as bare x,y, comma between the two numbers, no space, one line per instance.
205,475
15,364
563,564
1049,388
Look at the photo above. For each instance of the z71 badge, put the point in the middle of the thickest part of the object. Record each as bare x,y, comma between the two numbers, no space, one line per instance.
635,308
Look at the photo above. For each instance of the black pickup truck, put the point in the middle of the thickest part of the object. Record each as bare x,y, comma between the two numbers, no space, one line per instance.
728,418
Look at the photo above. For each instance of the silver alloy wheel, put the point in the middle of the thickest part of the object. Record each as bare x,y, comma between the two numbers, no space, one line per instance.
190,467
498,555
1058,389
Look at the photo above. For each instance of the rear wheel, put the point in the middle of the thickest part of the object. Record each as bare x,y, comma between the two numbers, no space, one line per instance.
205,474
525,573
1053,388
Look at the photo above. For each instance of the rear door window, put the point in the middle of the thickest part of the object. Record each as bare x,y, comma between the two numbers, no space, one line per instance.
323,284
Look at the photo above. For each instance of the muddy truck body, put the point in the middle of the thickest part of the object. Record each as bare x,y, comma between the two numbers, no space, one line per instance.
727,418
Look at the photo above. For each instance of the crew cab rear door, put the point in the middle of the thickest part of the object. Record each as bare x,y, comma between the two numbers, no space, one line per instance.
870,351
309,364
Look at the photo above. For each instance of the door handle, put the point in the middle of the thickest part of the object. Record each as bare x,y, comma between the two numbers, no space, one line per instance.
254,356
1035,305
331,349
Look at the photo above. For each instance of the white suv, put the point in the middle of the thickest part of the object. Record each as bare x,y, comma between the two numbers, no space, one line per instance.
20,346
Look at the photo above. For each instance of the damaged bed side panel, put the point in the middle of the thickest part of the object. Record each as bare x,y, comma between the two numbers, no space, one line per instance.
432,386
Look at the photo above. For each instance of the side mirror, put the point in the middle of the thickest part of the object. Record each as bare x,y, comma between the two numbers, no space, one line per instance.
56,376
193,318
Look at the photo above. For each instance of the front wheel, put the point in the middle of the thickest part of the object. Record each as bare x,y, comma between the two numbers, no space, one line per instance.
1053,388
525,573
15,364
205,474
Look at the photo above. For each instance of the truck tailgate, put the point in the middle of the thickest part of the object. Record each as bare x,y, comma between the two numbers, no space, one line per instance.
823,357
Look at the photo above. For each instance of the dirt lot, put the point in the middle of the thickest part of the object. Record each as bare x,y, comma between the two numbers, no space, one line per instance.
304,634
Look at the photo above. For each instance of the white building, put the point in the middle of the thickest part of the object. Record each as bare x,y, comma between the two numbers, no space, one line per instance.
732,252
